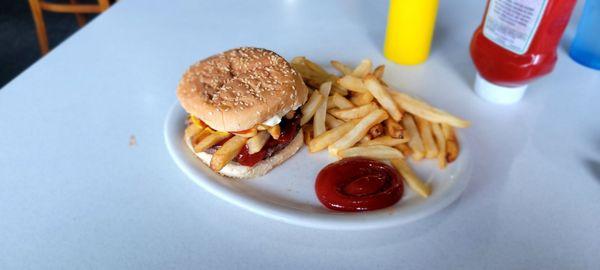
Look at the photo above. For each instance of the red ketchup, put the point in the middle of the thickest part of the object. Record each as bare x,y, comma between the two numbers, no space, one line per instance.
358,184
289,130
516,43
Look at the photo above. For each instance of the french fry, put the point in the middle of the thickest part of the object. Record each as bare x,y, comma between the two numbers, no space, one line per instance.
310,107
361,99
385,140
332,122
453,149
358,132
311,73
406,151
197,121
452,145
362,69
387,87
256,143
426,111
438,134
192,130
329,137
353,113
290,115
194,133
307,132
352,83
336,88
393,128
431,150
275,131
330,104
312,80
376,130
246,133
200,135
319,117
341,102
365,139
378,71
345,70
227,152
210,140
415,143
413,181
298,60
381,152
446,130
440,139
382,96
316,68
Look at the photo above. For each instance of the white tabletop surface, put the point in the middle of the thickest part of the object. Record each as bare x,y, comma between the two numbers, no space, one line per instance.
75,195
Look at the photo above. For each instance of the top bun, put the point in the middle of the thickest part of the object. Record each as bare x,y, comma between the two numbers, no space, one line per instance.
240,88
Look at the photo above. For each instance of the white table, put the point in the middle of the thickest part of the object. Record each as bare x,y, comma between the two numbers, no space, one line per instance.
75,195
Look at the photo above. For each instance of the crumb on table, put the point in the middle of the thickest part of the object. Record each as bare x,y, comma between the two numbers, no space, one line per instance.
132,141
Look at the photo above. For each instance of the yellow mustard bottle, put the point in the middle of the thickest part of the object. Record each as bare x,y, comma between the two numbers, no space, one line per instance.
409,30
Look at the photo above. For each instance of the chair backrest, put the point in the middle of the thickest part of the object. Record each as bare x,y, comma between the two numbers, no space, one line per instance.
73,7
38,6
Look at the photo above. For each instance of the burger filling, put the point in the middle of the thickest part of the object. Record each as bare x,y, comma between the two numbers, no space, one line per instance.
289,127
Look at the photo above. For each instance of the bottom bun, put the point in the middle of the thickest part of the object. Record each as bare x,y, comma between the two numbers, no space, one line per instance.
236,170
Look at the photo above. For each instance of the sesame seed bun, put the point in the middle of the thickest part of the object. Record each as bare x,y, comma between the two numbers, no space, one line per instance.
240,88
236,170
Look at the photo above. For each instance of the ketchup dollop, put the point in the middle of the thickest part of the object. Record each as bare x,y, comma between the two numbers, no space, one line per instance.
358,184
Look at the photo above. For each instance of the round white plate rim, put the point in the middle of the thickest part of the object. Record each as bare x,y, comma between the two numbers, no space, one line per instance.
290,215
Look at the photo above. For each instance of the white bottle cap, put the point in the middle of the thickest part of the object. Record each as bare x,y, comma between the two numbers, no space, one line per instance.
497,93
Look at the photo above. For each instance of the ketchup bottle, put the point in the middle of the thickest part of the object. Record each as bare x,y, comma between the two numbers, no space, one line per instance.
516,43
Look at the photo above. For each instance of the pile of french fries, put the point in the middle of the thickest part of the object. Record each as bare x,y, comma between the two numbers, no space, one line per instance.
357,114
203,137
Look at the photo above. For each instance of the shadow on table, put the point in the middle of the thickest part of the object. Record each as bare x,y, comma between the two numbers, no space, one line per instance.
361,239
593,167
374,18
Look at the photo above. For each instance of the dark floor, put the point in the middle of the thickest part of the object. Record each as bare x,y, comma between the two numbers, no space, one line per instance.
18,42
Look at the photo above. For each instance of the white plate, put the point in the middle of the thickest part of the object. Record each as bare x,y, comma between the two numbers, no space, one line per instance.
287,192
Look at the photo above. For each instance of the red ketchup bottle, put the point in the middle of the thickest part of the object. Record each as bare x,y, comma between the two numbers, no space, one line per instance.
516,43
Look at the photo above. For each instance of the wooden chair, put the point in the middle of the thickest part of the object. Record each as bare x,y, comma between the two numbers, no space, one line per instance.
38,6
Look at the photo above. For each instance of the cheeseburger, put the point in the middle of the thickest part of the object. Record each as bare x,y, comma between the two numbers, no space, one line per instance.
243,106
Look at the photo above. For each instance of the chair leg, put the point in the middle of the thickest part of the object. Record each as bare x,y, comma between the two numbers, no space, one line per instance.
78,16
40,26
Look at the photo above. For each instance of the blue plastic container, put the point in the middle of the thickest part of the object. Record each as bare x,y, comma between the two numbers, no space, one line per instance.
585,48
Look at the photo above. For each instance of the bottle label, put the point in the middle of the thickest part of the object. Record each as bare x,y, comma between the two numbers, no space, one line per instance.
512,23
